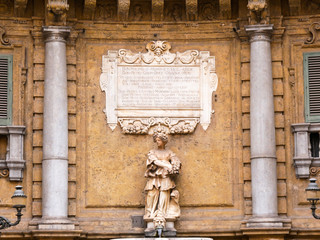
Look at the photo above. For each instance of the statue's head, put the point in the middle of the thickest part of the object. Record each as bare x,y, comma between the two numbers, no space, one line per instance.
162,136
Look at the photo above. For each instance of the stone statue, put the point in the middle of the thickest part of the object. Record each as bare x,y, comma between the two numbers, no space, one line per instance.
162,197
258,12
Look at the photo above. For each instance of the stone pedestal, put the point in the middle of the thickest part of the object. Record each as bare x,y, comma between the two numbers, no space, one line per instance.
262,130
168,231
55,132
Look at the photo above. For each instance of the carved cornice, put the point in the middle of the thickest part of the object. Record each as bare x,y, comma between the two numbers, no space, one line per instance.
259,32
123,9
312,30
157,10
55,34
3,37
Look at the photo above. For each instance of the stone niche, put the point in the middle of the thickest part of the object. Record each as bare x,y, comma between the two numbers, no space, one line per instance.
158,88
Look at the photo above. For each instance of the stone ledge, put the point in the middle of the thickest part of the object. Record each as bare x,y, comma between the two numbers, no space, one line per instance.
56,233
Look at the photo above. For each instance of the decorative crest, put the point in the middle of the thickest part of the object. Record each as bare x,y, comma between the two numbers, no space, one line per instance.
159,52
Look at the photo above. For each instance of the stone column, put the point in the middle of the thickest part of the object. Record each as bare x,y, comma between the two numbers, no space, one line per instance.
262,130
55,131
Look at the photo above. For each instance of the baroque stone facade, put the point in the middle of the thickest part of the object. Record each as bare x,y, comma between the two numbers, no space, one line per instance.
243,175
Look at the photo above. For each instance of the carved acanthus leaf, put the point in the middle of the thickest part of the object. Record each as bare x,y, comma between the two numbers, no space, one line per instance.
258,12
3,38
149,125
157,10
312,29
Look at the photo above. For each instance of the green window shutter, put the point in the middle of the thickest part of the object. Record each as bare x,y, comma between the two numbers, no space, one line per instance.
5,89
311,62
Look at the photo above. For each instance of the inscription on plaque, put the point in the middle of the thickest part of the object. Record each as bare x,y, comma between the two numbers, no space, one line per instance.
159,87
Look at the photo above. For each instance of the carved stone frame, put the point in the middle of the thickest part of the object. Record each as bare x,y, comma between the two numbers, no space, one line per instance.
174,121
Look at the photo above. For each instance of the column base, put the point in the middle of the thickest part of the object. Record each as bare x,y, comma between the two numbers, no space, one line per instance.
56,224
264,222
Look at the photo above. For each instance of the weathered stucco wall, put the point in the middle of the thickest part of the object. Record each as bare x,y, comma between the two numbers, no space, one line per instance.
106,168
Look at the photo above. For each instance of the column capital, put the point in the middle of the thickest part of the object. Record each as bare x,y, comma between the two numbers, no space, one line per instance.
259,32
55,33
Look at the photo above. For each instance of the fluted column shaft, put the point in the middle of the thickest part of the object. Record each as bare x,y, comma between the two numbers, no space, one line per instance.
55,125
262,126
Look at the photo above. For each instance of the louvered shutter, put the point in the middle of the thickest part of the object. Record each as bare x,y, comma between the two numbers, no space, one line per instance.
5,89
312,86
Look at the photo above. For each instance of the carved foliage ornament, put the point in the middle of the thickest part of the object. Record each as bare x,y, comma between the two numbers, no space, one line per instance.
312,29
258,12
58,7
158,88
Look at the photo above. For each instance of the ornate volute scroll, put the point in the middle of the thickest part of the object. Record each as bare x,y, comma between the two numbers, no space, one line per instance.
158,88
312,29
3,38
4,173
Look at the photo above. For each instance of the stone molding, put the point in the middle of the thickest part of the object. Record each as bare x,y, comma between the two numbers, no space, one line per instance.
138,119
56,33
14,160
302,156
259,32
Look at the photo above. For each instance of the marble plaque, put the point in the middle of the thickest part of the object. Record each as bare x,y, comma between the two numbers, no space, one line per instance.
169,87
158,88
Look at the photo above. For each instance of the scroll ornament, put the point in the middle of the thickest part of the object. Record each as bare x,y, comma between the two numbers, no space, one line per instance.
312,29
3,38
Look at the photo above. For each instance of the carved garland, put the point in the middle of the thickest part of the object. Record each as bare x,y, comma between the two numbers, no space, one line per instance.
312,30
